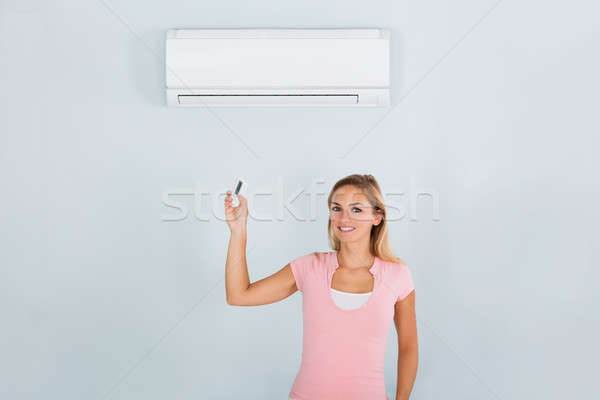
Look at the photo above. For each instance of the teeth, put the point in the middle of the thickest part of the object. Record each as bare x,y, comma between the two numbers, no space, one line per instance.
346,229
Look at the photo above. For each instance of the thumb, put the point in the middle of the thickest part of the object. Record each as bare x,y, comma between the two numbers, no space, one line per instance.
242,199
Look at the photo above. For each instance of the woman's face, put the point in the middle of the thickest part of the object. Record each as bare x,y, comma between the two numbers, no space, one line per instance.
350,209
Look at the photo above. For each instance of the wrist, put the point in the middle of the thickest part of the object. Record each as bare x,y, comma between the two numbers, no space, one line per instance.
239,232
402,396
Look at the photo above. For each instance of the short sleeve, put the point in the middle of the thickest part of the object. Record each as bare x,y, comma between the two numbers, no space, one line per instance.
404,283
300,267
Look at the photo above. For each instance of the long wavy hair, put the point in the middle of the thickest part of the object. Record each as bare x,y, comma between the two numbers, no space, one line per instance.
379,246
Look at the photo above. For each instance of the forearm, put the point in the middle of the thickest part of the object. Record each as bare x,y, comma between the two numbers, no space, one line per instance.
408,360
236,269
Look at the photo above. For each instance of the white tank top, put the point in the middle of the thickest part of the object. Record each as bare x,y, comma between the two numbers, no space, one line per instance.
348,301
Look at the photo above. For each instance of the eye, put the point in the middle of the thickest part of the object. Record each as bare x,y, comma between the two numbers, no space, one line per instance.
336,208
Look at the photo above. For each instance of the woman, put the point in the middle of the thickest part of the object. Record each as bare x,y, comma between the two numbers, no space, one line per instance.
349,297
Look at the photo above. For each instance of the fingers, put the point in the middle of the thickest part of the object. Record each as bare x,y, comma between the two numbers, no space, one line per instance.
229,201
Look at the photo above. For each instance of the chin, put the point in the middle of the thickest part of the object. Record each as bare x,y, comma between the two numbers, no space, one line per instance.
348,238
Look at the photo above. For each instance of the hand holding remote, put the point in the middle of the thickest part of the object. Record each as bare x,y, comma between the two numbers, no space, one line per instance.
236,216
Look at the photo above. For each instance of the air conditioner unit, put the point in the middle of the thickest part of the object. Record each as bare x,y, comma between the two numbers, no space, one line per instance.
278,67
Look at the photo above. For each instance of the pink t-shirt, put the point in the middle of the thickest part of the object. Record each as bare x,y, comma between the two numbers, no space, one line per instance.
343,351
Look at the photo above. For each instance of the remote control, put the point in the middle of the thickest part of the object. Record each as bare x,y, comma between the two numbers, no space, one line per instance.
240,188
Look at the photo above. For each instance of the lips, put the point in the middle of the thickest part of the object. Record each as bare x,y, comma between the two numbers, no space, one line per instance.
346,229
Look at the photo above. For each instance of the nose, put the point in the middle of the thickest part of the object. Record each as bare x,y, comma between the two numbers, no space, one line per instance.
346,216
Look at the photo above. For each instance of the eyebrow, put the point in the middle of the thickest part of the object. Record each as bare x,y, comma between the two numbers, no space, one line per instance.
351,204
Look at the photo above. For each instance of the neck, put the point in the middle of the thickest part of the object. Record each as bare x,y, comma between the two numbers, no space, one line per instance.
355,255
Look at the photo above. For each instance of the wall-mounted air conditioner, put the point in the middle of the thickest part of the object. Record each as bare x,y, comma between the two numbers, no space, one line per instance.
278,67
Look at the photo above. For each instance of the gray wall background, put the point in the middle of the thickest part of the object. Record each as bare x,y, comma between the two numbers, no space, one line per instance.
495,115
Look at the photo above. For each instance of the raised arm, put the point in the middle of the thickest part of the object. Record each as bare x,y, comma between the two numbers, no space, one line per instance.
239,290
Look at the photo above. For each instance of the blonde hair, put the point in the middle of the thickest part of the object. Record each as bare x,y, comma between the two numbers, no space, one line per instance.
379,243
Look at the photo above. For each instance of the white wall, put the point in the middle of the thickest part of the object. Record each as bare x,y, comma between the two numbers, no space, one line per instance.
494,112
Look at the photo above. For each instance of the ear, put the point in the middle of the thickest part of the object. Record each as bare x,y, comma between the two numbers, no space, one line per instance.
378,219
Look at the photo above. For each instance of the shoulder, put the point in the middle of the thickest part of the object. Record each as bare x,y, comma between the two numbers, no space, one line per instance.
310,260
398,277
310,257
305,266
396,269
